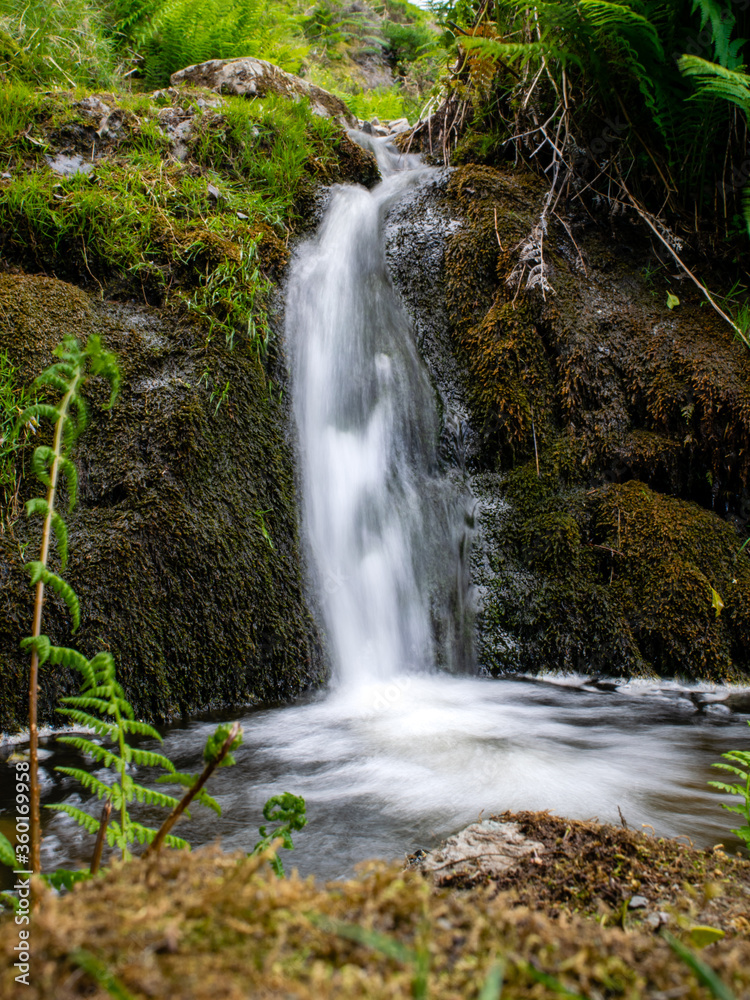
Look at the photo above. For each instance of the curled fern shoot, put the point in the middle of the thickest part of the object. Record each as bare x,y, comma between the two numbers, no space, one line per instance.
289,811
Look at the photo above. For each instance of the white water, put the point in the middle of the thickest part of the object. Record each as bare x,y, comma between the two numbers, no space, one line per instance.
368,433
398,755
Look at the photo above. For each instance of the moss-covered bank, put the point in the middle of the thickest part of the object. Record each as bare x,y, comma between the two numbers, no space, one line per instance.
168,557
161,222
213,925
627,430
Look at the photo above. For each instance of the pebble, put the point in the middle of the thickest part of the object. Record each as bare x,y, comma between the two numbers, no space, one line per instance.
637,903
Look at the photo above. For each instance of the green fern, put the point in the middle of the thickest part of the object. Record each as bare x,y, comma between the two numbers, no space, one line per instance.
738,765
185,33
722,21
68,377
114,722
715,81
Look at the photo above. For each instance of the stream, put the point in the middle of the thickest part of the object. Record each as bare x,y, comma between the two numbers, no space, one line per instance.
408,745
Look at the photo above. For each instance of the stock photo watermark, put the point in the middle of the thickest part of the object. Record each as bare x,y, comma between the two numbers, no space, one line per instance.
22,885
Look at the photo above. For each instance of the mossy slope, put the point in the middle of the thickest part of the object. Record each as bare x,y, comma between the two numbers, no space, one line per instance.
628,430
211,925
167,553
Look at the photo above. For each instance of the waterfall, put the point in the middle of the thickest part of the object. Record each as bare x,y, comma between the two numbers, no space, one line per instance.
376,522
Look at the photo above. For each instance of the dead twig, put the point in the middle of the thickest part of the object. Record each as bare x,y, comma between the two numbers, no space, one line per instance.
188,797
99,845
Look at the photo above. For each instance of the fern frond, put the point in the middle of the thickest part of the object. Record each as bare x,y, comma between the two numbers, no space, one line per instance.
52,378
115,836
89,823
40,643
35,412
188,781
713,80
151,797
70,472
89,781
142,728
74,660
137,831
726,50
60,529
147,758
41,462
171,840
103,363
89,721
37,505
76,420
99,753
38,572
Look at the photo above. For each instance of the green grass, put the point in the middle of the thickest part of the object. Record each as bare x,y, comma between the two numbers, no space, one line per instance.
57,43
189,231
14,399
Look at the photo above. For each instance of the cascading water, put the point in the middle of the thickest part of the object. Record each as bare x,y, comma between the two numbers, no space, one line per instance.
399,755
368,432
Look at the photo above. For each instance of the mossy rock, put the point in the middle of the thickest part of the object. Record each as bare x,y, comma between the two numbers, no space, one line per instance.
168,556
593,400
618,580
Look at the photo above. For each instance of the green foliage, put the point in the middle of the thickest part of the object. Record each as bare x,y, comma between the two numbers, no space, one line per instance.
722,21
185,33
56,42
232,299
159,226
7,854
381,104
703,972
289,812
636,63
64,879
13,401
70,416
215,743
100,973
738,765
103,708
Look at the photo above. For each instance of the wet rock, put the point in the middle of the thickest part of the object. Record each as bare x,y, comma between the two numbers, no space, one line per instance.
167,556
249,77
68,166
738,701
482,850
611,434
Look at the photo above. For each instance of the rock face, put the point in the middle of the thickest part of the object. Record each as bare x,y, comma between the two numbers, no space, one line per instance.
167,549
249,77
605,438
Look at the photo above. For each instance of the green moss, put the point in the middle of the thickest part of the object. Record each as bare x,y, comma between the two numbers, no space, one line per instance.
167,555
147,225
617,579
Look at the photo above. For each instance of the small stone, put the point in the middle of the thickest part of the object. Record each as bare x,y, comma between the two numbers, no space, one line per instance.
637,903
657,920
241,215
214,192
